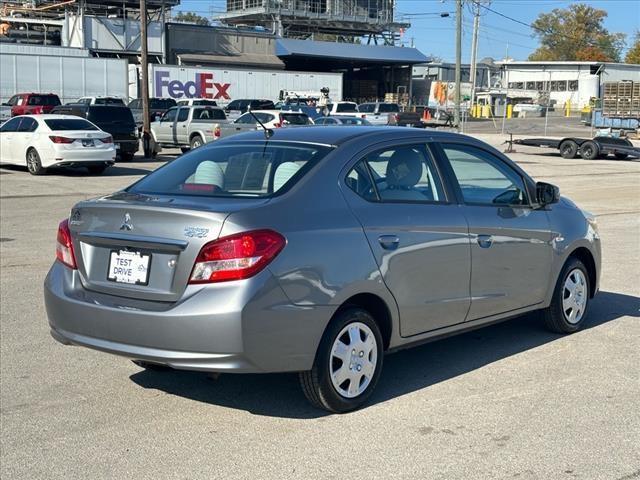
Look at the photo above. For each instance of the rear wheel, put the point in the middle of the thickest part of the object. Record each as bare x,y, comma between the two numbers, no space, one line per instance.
347,365
570,300
97,169
196,142
34,165
589,150
184,149
568,149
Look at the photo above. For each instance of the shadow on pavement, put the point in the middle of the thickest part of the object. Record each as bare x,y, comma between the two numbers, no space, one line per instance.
279,395
117,170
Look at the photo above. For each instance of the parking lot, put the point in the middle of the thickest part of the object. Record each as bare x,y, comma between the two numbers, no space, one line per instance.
507,401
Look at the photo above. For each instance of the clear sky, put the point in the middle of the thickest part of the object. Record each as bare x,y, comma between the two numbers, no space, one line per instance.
435,35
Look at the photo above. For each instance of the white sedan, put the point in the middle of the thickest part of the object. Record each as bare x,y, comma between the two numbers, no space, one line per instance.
44,141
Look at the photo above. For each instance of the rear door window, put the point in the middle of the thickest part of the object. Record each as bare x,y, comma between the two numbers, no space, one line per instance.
346,107
206,114
183,114
405,173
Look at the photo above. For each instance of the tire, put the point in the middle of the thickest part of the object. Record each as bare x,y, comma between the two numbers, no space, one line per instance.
97,169
34,164
589,150
321,387
196,141
620,156
568,149
151,366
558,316
185,149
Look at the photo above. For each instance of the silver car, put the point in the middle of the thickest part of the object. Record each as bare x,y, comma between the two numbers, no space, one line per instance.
318,250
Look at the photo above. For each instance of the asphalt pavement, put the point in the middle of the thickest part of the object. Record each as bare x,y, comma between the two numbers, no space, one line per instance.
510,401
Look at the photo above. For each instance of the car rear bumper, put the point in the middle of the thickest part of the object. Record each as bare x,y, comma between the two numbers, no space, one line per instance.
249,327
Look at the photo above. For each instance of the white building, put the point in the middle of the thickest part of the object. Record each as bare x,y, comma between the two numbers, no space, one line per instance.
576,82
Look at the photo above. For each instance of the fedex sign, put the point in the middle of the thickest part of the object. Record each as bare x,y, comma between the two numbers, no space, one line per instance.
202,87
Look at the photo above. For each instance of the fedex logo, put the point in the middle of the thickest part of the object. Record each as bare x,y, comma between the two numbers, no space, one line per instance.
202,87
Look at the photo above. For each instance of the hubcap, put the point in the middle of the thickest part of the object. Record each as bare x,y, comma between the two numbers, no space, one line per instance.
196,143
32,161
353,359
574,296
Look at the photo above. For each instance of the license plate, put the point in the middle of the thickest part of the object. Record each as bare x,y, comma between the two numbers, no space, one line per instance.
117,146
129,267
87,143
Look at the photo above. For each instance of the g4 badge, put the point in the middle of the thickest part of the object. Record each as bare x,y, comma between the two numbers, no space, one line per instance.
196,232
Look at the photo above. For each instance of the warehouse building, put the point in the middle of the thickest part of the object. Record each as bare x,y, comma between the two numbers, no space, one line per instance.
562,82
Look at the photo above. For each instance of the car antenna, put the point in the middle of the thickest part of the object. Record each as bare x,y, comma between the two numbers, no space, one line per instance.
268,133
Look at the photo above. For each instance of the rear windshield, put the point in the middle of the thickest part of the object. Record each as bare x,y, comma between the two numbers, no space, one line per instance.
207,114
43,100
234,170
69,124
161,103
108,101
295,118
367,108
211,103
109,114
346,107
388,108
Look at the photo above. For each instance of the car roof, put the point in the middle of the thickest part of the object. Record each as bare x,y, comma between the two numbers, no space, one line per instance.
277,112
337,135
50,116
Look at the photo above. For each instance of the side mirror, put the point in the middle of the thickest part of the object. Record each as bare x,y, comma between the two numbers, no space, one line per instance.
546,193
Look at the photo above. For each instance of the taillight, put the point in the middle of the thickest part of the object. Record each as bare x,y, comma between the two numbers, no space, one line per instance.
280,121
216,132
108,139
64,246
57,139
237,256
396,117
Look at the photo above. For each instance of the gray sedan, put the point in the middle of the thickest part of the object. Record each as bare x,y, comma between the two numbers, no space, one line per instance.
318,250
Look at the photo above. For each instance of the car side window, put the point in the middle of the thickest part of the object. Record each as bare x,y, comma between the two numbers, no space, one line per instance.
483,178
183,114
28,125
11,125
169,115
359,180
400,174
13,100
246,118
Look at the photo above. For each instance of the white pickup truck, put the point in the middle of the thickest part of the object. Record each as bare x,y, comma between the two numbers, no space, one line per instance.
340,109
188,127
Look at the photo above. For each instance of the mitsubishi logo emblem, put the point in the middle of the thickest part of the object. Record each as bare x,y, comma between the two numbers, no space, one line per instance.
127,225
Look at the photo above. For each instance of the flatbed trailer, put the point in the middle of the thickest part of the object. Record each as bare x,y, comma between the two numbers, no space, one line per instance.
588,149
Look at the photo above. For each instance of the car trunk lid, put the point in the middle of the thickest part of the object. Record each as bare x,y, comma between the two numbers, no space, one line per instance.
162,236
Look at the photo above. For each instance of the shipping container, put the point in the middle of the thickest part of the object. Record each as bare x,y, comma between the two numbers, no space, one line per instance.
61,71
226,84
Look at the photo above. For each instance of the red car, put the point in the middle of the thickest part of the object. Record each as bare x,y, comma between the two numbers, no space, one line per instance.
32,103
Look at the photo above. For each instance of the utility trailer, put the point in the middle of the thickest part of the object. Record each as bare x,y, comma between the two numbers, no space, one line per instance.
588,149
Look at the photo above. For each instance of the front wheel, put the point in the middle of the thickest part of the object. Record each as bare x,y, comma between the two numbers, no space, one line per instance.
570,300
34,164
347,365
184,149
568,149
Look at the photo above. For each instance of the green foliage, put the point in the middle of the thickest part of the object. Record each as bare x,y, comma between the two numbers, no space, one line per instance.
190,17
633,55
576,33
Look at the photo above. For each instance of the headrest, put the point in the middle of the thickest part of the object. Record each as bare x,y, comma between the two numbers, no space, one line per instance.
404,168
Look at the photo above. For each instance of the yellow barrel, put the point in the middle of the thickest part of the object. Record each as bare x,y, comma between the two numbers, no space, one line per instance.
509,111
486,111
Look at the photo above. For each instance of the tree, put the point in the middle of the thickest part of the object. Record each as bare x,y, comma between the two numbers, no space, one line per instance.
190,17
633,55
576,33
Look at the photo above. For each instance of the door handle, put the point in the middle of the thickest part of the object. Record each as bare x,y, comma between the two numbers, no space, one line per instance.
389,242
485,241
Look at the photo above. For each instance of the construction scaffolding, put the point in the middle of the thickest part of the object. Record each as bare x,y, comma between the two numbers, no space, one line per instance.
334,20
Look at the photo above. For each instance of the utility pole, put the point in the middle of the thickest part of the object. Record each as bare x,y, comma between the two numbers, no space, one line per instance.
474,50
144,67
458,62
